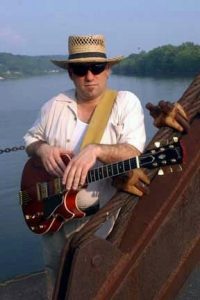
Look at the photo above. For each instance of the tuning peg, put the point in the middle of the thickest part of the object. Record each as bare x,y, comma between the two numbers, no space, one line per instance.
178,168
160,172
165,142
172,169
175,139
157,144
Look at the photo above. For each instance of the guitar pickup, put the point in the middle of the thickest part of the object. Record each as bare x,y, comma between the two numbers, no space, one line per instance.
57,186
42,190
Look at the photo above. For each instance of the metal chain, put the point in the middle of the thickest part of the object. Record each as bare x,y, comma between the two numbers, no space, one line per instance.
13,149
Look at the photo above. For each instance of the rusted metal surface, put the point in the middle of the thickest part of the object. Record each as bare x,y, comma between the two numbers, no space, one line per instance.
154,246
93,262
163,243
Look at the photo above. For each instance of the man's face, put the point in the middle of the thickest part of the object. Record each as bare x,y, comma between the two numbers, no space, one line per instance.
89,79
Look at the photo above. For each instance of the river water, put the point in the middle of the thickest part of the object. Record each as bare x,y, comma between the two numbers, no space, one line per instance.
20,100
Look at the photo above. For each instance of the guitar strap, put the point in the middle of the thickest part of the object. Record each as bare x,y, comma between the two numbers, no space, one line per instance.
93,135
99,119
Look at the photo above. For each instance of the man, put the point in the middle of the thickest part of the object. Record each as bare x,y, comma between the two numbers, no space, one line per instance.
62,123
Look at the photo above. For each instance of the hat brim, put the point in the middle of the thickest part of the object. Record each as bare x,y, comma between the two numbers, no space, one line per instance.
64,63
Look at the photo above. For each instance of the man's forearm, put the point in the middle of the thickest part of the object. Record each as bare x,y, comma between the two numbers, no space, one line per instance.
78,167
118,152
33,148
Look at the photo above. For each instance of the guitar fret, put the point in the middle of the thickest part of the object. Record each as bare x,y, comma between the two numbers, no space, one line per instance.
129,162
88,178
109,169
127,165
133,163
101,173
96,174
105,172
92,176
115,169
121,167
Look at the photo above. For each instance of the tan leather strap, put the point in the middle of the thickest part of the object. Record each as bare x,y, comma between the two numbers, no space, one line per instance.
99,119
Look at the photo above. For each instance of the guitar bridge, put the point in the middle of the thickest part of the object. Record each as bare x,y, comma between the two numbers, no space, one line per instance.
24,198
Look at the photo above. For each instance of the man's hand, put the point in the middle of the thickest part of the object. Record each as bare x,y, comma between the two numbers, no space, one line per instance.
51,158
76,172
169,114
135,182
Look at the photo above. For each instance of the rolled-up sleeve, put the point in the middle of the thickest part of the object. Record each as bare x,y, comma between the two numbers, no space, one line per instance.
37,131
132,121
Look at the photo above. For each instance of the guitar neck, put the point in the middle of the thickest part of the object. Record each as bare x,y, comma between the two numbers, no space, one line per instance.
111,170
154,158
100,173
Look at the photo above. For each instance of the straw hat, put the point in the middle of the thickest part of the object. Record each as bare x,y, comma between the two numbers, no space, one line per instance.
86,48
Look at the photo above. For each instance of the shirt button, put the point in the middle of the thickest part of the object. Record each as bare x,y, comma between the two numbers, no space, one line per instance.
68,140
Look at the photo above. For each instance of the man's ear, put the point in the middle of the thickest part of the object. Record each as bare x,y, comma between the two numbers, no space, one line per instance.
109,70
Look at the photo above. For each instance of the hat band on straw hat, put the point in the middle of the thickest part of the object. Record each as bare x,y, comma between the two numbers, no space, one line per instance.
86,49
87,54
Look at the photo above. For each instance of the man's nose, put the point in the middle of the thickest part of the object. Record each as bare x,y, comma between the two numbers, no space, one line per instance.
89,75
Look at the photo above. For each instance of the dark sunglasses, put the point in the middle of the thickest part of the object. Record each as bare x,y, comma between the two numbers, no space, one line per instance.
82,69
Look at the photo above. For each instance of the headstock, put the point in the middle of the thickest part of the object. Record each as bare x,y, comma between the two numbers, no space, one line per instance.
162,155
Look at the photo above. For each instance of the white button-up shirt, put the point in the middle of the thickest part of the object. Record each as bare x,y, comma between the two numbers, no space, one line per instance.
57,122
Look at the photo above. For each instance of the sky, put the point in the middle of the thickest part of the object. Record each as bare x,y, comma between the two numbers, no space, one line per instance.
42,27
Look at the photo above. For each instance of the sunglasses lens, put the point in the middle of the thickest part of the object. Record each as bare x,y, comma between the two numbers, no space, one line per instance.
97,68
79,69
82,69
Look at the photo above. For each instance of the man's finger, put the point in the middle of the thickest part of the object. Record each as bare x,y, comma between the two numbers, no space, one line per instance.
179,109
61,164
183,122
133,190
143,177
142,187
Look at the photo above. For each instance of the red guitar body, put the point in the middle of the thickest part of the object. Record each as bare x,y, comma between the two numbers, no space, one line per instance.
42,192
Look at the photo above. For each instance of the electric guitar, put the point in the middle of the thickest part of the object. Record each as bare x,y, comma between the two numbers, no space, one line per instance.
46,205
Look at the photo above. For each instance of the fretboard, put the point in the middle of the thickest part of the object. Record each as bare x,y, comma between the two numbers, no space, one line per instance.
111,170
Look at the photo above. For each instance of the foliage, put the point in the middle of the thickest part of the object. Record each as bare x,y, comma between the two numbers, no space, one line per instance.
165,61
168,60
23,65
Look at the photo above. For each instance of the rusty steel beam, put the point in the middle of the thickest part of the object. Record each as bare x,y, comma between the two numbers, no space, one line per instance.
163,244
159,248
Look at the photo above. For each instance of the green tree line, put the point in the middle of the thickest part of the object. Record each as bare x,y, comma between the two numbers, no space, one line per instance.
168,60
24,65
165,61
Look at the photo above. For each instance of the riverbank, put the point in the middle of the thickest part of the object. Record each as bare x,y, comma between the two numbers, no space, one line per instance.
19,75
